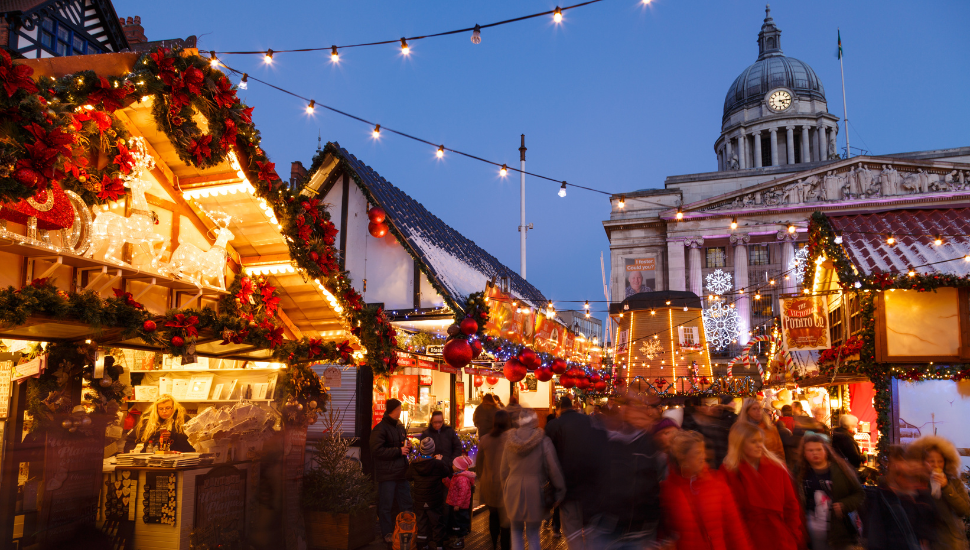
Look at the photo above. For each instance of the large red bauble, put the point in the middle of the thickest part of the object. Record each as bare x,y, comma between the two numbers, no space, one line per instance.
595,378
457,353
600,386
476,347
529,358
559,366
514,370
376,214
468,326
582,382
492,380
567,381
178,341
148,326
544,374
477,381
377,229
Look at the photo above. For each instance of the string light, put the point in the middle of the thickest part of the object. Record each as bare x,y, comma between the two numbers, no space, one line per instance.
557,15
771,282
622,202
938,241
377,131
653,312
334,56
477,35
310,107
405,49
213,60
562,190
680,214
244,83
890,240
268,58
912,272
503,171
838,238
757,296
791,228
441,151
734,222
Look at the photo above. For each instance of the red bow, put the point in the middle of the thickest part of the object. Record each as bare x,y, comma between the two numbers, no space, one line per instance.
129,299
229,135
15,77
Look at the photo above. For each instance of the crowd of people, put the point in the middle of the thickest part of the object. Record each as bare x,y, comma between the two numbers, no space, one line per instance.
707,476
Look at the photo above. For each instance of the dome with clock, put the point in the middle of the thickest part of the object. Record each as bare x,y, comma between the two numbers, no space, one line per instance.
775,112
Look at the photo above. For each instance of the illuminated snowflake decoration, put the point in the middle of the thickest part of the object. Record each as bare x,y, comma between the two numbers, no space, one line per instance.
651,348
720,325
798,265
719,282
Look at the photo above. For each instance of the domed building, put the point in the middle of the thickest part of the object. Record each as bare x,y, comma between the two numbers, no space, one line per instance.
775,112
740,225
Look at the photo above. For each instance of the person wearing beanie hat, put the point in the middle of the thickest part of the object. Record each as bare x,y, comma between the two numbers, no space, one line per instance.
459,501
389,447
446,441
427,475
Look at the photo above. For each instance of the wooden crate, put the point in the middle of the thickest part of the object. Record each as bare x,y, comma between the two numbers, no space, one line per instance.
326,531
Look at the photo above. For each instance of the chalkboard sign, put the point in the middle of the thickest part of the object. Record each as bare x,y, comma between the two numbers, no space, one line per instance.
220,504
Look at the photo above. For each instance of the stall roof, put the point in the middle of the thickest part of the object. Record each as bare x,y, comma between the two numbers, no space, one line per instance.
457,263
864,240
647,300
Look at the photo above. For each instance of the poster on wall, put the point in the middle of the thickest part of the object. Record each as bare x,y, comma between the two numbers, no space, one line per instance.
404,387
460,404
639,275
547,335
380,399
805,323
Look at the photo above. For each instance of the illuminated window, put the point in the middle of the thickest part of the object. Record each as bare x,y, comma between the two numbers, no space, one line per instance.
758,254
716,257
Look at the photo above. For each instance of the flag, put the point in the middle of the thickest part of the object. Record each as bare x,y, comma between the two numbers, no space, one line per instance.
840,44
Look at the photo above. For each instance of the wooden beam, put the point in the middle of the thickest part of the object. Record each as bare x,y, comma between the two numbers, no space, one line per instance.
263,260
297,333
205,180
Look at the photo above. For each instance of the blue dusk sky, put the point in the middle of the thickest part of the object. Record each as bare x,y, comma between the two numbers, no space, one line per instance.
617,97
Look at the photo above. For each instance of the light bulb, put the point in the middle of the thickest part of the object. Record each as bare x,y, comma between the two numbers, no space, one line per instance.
912,272
213,61
857,284
503,171
653,312
310,107
838,239
791,228
441,151
734,222
268,58
757,296
377,131
562,190
244,83
890,240
334,56
622,202
477,35
557,15
680,214
405,49
938,241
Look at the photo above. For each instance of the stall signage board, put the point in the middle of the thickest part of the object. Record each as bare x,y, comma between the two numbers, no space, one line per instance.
30,368
72,483
435,350
220,504
460,404
805,323
380,403
425,380
404,360
404,387
425,364
332,377
5,380
448,369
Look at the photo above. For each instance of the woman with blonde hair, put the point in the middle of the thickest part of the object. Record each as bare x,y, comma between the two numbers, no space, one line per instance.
753,413
162,423
762,489
950,499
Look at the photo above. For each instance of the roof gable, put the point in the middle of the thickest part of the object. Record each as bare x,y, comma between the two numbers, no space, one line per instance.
864,180
97,19
454,264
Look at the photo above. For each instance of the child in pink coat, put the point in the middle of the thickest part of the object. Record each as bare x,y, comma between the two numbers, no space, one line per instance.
459,501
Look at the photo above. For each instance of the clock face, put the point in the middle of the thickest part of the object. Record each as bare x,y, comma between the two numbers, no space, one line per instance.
779,100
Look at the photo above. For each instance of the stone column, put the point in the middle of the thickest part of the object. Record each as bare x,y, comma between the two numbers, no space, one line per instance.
696,275
791,144
820,139
757,149
787,255
742,151
676,272
742,305
728,153
806,155
774,146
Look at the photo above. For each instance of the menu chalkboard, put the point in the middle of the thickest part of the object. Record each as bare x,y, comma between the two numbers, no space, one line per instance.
72,482
220,501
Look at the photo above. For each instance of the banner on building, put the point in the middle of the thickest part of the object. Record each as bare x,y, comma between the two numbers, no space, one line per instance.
639,275
805,323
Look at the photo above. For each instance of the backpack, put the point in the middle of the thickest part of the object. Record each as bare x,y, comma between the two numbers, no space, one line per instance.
404,530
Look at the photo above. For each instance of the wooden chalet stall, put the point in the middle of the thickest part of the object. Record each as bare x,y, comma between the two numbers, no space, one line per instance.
150,248
897,285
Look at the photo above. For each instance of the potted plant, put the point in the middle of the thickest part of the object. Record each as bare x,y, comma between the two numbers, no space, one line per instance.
337,497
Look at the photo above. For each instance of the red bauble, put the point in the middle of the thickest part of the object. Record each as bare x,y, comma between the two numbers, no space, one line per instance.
544,374
457,353
148,326
595,378
377,214
468,326
559,366
178,341
476,347
567,381
492,380
377,229
582,382
600,386
514,370
529,358
477,381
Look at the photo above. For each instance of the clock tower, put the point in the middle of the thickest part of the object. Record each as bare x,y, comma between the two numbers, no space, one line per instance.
775,112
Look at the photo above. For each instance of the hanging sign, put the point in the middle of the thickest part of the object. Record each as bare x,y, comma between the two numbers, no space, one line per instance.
332,377
805,323
435,350
30,368
448,369
404,360
425,364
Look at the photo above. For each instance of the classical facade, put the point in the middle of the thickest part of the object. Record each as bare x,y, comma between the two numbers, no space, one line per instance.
744,224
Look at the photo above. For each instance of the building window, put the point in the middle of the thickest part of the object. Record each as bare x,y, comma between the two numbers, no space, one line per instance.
62,40
763,307
716,257
758,254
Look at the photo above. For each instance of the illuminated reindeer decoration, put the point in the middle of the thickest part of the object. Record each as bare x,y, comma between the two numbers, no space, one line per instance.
188,258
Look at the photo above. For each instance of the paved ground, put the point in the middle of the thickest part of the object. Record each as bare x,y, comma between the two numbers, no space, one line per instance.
478,539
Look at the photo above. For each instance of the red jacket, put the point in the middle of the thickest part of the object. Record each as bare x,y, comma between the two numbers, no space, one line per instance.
768,505
701,512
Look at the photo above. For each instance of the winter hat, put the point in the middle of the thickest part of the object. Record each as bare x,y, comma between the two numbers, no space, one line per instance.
427,447
528,419
463,463
391,405
663,425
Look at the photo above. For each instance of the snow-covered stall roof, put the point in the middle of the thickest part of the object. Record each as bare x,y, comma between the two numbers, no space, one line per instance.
456,262
864,239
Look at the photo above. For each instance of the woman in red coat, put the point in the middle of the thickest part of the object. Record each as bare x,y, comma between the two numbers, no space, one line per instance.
763,490
699,510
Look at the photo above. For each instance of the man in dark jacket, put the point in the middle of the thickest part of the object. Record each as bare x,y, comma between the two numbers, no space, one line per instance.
427,474
484,416
710,421
579,447
389,446
844,443
446,442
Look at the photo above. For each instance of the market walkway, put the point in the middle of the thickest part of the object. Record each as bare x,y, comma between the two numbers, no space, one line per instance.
478,539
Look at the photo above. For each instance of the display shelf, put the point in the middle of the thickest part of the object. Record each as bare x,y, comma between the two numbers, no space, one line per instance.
208,400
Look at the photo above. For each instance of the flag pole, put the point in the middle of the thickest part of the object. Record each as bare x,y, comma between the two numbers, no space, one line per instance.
845,112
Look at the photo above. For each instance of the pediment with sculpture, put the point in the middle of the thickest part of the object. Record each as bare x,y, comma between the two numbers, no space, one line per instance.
852,180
